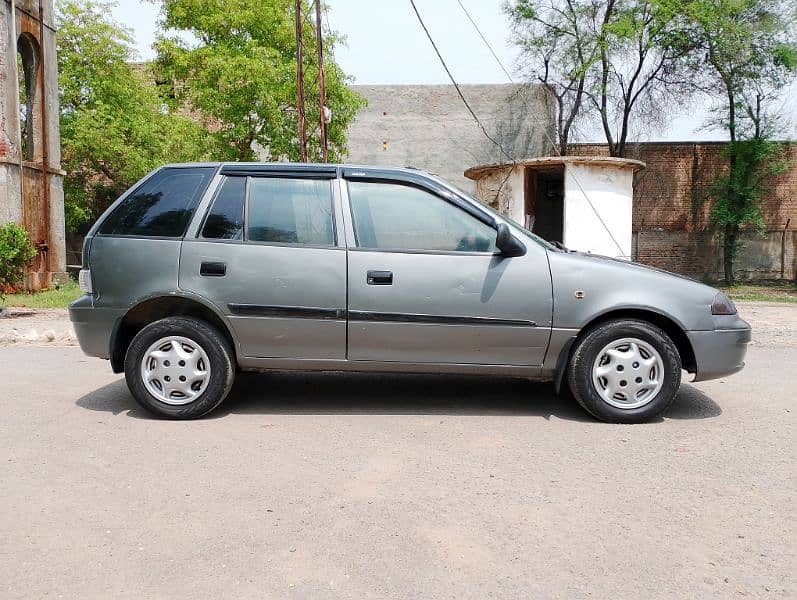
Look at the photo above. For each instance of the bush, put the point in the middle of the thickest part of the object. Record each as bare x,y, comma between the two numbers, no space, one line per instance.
16,252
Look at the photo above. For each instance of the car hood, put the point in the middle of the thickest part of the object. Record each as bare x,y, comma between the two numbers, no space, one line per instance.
605,284
625,264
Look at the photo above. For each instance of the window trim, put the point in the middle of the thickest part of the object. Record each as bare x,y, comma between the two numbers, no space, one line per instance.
474,214
209,209
245,237
282,171
422,182
248,199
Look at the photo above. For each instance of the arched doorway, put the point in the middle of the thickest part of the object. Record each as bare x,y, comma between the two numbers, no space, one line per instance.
28,60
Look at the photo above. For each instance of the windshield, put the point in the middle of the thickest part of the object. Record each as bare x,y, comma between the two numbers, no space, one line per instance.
489,209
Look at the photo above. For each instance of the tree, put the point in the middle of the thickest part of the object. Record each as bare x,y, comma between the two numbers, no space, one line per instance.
559,49
745,54
642,67
618,61
240,75
115,126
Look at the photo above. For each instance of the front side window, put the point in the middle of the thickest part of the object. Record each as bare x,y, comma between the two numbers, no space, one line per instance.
290,211
162,206
391,216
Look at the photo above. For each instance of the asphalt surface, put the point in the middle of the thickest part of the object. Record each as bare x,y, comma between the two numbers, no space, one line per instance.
346,486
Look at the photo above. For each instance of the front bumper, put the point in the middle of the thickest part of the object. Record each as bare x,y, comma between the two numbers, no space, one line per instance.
720,352
94,326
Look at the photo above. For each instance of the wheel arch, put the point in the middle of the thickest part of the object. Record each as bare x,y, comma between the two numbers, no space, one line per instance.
675,332
154,308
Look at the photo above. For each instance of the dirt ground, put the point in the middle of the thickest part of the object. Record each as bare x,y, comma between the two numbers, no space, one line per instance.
315,486
36,326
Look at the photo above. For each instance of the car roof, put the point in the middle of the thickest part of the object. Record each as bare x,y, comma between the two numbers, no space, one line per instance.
303,167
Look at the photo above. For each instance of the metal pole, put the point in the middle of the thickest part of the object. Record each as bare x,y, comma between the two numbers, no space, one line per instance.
783,250
322,87
44,245
300,84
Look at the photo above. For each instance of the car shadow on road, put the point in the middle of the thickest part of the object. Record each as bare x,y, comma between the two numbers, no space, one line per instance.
361,393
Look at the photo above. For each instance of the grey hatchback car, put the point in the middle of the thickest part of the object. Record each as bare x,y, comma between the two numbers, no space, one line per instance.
202,270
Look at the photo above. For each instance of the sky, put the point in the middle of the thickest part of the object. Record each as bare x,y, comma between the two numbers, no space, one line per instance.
385,45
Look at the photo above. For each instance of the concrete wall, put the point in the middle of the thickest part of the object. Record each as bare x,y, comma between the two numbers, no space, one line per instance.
609,198
428,126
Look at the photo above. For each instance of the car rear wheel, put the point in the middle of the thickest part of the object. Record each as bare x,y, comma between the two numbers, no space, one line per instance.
625,371
179,368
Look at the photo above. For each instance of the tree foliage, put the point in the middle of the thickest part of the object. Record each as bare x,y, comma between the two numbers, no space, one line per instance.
617,63
622,63
558,49
745,53
115,126
737,193
239,74
16,252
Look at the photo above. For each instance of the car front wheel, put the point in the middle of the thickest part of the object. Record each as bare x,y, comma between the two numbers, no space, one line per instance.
179,368
625,371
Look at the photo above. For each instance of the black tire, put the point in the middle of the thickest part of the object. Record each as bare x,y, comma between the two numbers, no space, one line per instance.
586,352
220,357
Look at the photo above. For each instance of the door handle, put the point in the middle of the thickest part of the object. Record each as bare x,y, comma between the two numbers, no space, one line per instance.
380,278
213,269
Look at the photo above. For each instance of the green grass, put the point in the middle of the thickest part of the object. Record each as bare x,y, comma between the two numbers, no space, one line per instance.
53,298
774,292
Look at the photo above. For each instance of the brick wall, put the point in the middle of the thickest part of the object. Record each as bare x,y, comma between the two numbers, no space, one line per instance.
671,211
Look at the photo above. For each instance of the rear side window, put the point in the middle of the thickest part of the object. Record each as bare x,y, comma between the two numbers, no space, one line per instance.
290,211
162,206
225,221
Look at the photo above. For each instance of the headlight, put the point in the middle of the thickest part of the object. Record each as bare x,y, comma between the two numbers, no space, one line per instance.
722,305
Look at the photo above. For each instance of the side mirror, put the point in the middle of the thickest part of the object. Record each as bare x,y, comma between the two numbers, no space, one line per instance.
507,243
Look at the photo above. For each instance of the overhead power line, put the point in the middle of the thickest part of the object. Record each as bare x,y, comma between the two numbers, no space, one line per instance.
484,130
456,85
300,83
486,43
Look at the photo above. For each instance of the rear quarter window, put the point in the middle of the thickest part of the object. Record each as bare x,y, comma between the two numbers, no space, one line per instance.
162,206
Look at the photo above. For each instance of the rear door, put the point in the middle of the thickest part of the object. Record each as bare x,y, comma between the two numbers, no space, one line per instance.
427,285
267,256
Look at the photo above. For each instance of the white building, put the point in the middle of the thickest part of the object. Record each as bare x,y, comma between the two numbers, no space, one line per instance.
583,202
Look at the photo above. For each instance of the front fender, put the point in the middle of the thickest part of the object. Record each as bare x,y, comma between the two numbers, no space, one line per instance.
586,287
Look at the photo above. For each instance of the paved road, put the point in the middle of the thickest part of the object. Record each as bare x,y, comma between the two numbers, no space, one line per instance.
341,486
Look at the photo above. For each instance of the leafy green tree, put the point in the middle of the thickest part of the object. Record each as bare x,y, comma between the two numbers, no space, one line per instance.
745,53
238,73
115,126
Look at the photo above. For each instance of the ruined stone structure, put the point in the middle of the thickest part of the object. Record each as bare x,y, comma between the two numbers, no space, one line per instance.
31,180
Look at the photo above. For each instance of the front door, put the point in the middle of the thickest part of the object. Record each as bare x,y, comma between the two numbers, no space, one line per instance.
427,285
266,255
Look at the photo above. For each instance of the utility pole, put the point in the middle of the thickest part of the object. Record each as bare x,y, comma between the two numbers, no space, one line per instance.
322,87
300,84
